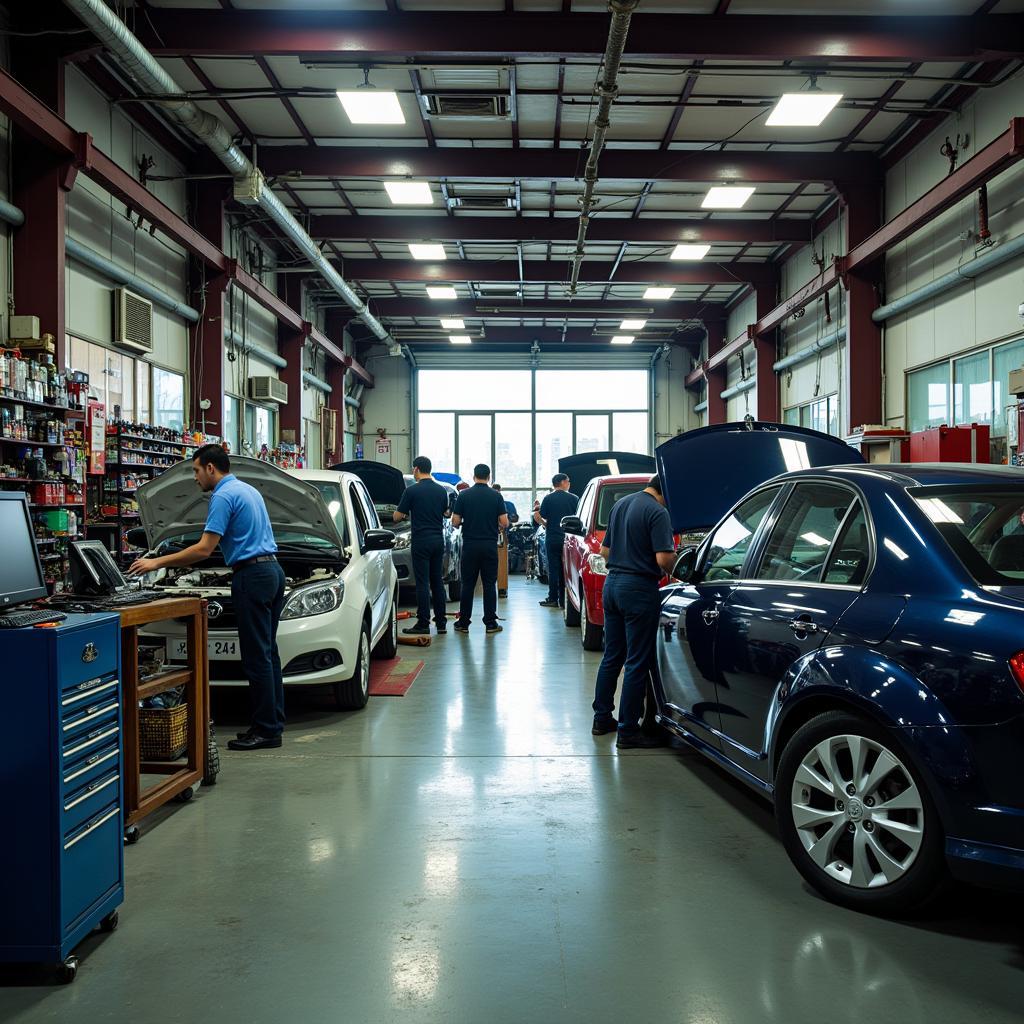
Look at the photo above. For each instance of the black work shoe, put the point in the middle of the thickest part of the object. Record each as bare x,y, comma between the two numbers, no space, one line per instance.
417,630
460,628
494,629
602,727
639,741
254,741
548,603
442,630
244,735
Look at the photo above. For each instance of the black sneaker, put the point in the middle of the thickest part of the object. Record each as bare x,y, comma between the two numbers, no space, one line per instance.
548,603
494,629
602,727
417,630
460,628
442,630
639,741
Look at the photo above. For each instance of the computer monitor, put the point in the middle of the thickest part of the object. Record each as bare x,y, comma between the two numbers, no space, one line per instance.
21,572
93,571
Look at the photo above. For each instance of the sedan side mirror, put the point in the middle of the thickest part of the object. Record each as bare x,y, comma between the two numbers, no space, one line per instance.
378,540
573,525
686,562
136,536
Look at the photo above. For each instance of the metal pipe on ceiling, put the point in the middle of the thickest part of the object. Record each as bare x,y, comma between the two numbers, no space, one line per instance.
738,389
315,382
148,76
622,13
263,354
810,351
701,406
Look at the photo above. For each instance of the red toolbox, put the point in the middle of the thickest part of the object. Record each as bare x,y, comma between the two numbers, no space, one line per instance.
951,444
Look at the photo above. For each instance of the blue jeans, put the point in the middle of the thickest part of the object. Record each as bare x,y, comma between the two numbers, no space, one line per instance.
479,559
632,605
556,571
257,591
427,561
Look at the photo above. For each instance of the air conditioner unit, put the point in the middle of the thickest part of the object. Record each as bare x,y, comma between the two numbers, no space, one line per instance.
268,389
133,321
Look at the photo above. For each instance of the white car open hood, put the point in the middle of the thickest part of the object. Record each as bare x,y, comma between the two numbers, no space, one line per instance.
173,504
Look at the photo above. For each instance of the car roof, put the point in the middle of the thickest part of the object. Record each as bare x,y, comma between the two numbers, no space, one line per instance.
623,478
331,476
926,474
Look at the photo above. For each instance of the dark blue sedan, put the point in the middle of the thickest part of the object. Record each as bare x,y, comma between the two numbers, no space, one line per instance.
849,641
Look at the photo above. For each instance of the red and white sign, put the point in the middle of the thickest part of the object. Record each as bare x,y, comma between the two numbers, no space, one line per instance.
383,446
96,438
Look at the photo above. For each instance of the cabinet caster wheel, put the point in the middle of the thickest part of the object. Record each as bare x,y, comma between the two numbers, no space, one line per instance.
109,923
185,795
68,971
132,835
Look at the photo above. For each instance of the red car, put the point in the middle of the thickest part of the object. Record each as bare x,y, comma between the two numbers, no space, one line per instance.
585,570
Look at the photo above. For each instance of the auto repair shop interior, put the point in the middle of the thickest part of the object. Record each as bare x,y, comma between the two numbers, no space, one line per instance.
769,250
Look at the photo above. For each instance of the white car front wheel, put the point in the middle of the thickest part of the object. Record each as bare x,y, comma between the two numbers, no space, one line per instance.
352,694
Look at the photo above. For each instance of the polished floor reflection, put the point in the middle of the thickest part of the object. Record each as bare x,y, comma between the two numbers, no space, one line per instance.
469,853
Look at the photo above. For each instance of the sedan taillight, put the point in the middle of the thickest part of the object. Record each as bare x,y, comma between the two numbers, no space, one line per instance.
1017,668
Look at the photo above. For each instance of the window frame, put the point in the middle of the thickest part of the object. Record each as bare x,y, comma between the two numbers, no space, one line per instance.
770,516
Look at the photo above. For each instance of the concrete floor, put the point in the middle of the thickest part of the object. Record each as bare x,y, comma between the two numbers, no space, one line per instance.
469,853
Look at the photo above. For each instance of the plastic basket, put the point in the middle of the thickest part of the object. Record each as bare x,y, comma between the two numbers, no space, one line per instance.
163,733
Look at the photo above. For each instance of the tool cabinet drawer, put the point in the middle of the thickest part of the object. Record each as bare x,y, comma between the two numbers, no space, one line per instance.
87,743
83,767
90,863
83,655
86,692
81,803
89,716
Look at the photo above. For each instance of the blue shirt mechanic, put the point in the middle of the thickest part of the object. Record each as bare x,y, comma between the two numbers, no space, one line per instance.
239,517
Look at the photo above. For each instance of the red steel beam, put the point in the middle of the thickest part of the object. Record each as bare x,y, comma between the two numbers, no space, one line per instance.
464,163
514,335
37,120
595,271
360,36
664,230
716,359
580,309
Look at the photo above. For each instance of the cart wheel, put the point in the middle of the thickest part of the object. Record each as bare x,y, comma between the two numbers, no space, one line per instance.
185,795
68,970
210,779
109,923
132,835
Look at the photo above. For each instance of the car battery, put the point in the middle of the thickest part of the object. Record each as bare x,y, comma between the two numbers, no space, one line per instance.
951,444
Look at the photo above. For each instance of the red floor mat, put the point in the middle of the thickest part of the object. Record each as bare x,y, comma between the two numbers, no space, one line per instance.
393,678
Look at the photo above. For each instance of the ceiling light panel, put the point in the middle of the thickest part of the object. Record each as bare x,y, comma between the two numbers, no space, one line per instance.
409,193
427,250
371,106
453,325
441,292
460,339
623,339
632,325
727,197
690,252
659,293
802,109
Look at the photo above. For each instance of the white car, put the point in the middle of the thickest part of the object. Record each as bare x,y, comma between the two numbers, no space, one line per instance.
341,593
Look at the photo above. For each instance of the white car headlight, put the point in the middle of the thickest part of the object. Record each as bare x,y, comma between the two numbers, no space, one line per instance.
315,600
402,540
597,565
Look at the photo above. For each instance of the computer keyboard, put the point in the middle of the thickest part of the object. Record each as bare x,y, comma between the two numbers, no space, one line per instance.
130,597
18,620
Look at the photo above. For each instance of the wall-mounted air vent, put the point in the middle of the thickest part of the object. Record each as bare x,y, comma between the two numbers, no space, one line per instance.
467,104
482,202
133,321
268,389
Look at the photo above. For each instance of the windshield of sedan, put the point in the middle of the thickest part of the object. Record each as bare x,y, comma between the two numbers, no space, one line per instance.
985,529
609,495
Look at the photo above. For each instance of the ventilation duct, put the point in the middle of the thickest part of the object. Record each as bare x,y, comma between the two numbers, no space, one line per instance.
151,79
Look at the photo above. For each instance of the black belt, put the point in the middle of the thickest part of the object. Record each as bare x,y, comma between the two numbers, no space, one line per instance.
253,561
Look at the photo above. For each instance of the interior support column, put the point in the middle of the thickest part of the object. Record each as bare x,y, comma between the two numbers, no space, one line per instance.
715,377
291,346
766,347
334,328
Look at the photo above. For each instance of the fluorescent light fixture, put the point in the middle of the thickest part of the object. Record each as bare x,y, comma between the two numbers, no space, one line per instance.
816,539
372,106
802,109
690,252
659,293
727,197
453,325
427,250
632,325
794,454
410,193
622,339
460,339
445,291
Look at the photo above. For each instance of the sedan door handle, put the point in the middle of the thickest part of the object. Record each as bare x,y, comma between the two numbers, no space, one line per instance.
803,626
709,615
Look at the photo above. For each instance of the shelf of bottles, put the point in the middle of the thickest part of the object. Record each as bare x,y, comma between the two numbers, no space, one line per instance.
42,418
135,453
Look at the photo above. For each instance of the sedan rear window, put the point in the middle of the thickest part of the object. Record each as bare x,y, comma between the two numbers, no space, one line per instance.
608,496
985,529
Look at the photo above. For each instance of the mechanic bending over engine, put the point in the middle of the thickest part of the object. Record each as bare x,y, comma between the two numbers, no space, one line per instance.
427,502
639,549
237,519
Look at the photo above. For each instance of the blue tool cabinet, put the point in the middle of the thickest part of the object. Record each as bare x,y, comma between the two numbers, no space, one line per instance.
62,852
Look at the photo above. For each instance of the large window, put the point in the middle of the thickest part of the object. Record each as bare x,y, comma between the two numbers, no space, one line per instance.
521,422
821,414
963,390
168,399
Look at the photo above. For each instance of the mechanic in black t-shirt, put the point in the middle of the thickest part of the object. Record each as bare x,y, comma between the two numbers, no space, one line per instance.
558,503
481,513
427,502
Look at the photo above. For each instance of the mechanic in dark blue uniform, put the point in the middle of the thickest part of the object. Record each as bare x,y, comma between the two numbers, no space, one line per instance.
558,503
639,549
427,502
481,513
237,519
